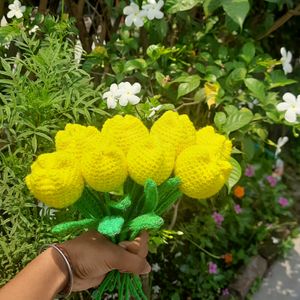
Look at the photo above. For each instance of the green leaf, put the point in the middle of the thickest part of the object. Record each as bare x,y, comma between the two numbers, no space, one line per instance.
220,119
121,205
278,79
248,52
111,225
151,196
63,227
237,10
146,221
235,174
257,88
210,6
174,6
135,64
237,120
235,76
190,84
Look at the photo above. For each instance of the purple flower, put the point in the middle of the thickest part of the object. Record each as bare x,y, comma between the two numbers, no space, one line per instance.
237,209
225,292
250,171
218,218
272,180
283,202
212,268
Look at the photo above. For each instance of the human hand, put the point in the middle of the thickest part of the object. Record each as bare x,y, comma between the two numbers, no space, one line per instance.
92,256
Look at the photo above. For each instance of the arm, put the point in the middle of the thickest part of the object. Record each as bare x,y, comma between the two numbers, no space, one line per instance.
91,256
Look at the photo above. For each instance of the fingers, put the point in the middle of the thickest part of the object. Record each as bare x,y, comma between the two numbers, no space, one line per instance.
138,246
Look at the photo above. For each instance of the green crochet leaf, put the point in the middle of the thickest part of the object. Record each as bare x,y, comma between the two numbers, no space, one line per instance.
85,223
122,205
147,221
151,196
168,186
167,201
89,204
111,225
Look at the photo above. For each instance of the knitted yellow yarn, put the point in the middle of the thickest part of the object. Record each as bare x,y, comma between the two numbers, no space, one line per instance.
104,166
150,159
201,172
75,139
55,179
217,143
175,130
124,131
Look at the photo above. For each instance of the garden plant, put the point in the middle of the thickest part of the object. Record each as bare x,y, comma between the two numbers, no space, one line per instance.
229,68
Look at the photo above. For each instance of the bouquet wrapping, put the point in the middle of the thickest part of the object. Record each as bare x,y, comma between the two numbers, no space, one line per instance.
123,178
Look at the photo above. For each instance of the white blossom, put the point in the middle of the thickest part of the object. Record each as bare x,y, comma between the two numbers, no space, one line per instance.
134,15
33,29
16,10
112,96
155,267
286,58
78,50
291,106
128,93
280,143
3,22
153,110
275,240
156,289
152,9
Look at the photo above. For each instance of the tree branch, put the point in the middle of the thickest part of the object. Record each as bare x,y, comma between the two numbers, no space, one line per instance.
43,6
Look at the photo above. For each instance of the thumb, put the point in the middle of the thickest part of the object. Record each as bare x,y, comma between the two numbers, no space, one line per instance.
130,263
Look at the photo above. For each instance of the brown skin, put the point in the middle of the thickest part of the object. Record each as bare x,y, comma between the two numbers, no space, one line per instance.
91,255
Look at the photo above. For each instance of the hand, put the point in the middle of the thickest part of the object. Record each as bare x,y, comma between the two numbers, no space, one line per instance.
92,256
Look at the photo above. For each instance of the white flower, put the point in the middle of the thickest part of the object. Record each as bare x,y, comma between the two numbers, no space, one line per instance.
3,22
78,50
16,10
178,254
152,9
286,60
128,92
33,29
153,110
156,289
291,105
112,96
275,240
155,267
280,143
134,15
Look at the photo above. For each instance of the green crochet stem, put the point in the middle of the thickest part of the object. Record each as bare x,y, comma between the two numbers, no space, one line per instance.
140,209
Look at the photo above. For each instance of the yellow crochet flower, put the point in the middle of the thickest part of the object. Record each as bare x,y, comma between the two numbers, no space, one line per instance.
104,166
218,144
55,179
75,139
201,172
150,159
124,131
175,130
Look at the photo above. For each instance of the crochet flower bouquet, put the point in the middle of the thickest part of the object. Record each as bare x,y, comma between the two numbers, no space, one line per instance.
120,178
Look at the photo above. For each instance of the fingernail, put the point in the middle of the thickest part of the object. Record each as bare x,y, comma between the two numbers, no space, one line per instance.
123,244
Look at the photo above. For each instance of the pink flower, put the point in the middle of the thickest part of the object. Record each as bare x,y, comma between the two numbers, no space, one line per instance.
237,209
218,218
272,180
283,202
250,171
225,292
212,268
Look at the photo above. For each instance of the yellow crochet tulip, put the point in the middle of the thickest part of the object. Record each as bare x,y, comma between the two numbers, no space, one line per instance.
124,131
104,166
75,139
175,130
201,172
150,159
55,179
218,144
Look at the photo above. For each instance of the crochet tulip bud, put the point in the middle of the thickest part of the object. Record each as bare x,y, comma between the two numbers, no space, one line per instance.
124,131
150,159
175,130
201,172
55,179
104,166
218,144
75,139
